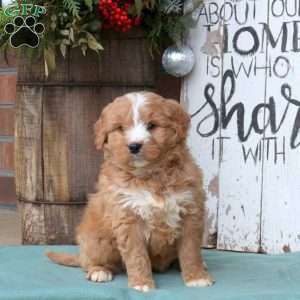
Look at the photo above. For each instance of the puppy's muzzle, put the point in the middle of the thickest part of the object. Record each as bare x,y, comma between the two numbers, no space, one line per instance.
134,148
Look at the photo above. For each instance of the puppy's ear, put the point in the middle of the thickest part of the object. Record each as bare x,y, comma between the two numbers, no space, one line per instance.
110,119
100,134
180,119
101,128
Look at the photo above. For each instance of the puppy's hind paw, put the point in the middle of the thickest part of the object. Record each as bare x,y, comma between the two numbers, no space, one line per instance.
99,275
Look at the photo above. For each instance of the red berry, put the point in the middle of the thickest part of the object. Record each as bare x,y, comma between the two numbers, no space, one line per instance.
137,21
115,14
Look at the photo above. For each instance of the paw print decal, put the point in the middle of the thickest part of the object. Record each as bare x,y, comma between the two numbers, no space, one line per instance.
24,32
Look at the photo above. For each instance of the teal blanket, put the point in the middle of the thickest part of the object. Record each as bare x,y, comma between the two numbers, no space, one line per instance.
25,273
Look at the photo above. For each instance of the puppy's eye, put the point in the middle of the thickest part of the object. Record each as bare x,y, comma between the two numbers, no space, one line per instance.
151,126
120,128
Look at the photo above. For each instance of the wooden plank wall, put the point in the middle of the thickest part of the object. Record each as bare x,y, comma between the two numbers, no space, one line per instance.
8,77
280,214
246,119
200,111
239,204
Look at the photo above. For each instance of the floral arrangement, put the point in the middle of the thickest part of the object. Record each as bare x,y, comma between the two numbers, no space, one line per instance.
80,23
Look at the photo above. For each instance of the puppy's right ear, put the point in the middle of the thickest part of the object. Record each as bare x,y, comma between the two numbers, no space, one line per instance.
100,133
107,122
101,128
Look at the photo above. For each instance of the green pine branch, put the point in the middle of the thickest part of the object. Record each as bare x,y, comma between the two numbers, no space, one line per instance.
73,6
89,4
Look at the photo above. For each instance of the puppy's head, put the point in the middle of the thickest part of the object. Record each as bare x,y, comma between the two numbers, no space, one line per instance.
137,129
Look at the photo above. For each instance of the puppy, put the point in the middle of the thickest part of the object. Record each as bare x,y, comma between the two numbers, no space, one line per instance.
148,210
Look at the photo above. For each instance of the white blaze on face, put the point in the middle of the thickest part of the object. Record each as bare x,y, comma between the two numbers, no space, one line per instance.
138,133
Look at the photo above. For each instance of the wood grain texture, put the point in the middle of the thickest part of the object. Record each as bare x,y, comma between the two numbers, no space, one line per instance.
281,188
240,193
28,144
54,147
8,59
28,162
60,223
193,91
259,117
33,223
124,62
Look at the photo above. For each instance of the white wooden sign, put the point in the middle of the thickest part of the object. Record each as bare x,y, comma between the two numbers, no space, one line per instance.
244,98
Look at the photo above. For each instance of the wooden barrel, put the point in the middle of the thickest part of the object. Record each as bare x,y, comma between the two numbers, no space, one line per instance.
56,160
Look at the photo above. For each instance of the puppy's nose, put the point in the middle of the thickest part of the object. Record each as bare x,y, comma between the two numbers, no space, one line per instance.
135,148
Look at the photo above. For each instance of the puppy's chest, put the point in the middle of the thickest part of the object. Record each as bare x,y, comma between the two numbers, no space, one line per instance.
166,210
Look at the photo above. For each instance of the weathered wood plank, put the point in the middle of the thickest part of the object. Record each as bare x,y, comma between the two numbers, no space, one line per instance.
281,188
28,162
259,120
55,145
125,61
68,140
243,90
120,63
8,59
82,154
84,68
33,223
61,222
28,151
204,80
33,70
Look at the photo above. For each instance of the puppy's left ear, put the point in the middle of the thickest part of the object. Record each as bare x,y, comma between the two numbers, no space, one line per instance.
181,120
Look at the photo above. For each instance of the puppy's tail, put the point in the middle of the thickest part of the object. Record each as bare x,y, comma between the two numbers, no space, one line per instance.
65,259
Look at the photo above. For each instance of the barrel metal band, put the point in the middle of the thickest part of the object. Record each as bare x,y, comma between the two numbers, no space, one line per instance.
149,85
53,203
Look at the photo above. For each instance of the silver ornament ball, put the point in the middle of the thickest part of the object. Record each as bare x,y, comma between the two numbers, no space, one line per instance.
178,60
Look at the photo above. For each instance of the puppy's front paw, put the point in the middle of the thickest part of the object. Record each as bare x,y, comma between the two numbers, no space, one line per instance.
145,286
99,275
142,288
203,281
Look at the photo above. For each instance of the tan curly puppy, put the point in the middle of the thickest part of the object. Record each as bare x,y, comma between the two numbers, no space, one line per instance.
148,210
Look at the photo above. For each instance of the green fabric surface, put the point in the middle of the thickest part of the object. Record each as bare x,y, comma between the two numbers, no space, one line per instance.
25,273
